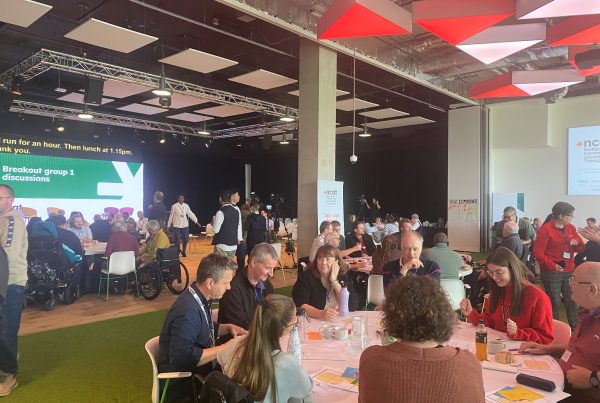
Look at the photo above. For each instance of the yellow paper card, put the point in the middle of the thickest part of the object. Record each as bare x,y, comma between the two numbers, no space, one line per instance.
536,364
520,393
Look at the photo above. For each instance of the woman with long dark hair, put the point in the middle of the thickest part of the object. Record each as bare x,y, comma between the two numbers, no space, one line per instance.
515,306
256,361
555,247
317,289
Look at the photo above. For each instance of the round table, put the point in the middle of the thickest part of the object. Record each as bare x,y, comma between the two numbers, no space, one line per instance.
95,249
336,354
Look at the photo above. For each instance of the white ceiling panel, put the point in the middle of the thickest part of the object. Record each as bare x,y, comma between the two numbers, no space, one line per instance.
179,101
77,97
388,124
22,12
199,61
347,129
143,109
109,36
224,111
338,93
119,89
190,117
386,113
263,79
347,105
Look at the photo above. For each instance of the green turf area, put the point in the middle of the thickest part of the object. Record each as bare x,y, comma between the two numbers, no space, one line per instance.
100,362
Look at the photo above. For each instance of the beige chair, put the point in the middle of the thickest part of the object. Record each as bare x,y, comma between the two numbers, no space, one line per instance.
152,350
28,213
52,210
208,233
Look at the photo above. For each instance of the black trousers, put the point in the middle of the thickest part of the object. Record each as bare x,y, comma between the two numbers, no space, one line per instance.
183,234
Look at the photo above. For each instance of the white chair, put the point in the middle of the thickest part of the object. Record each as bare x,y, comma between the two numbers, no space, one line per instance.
120,264
455,290
152,350
375,293
277,247
208,233
214,315
562,332
192,242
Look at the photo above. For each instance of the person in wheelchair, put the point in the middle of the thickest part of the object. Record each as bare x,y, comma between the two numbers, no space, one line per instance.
157,239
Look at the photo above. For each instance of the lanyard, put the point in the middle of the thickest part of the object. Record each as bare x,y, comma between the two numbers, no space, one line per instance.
504,315
211,330
256,294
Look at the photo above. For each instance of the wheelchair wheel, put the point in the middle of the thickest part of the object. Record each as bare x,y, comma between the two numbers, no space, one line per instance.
149,281
49,304
71,293
178,280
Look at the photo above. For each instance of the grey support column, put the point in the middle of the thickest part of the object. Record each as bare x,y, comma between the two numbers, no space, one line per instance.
316,149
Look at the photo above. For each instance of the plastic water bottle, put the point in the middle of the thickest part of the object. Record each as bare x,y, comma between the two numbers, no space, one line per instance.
301,324
343,301
294,345
481,341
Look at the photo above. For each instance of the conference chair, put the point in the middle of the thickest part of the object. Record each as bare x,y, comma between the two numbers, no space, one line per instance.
110,210
120,264
562,332
52,210
375,292
128,210
277,247
208,233
455,290
28,213
152,350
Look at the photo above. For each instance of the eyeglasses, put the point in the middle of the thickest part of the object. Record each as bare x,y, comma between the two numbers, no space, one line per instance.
507,217
571,281
496,273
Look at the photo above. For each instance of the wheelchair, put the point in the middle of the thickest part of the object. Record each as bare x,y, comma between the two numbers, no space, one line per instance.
50,276
166,269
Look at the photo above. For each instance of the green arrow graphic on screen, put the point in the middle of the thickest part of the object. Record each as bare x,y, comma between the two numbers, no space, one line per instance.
35,176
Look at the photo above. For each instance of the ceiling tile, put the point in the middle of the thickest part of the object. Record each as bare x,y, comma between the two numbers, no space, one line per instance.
347,104
386,113
190,117
578,30
22,12
120,89
109,36
199,61
347,129
388,124
143,109
338,93
263,79
529,9
77,97
224,111
179,101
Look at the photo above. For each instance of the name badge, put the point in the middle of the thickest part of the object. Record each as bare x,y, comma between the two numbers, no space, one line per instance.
566,255
566,355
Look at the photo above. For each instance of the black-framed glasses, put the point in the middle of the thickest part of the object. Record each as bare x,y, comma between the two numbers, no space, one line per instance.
571,281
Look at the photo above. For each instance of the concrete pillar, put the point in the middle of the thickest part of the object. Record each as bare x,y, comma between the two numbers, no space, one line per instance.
316,148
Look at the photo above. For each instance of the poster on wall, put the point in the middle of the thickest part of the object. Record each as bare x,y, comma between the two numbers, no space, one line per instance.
584,161
330,202
463,224
463,210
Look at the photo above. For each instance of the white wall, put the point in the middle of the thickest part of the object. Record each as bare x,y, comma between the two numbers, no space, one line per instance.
464,149
528,141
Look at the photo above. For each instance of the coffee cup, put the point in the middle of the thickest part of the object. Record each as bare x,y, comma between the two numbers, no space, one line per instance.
340,333
326,331
495,346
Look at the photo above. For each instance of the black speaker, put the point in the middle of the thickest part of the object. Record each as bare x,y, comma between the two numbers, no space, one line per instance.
267,139
588,59
6,99
93,91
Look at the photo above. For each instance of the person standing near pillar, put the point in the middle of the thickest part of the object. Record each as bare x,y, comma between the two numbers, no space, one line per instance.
13,238
228,225
156,210
180,212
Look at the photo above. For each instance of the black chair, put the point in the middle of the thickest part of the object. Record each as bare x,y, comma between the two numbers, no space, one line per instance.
216,387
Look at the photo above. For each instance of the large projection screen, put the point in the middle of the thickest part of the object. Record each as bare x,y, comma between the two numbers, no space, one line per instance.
584,161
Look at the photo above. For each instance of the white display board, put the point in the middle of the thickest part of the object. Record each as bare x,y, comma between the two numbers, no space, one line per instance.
330,202
502,200
584,161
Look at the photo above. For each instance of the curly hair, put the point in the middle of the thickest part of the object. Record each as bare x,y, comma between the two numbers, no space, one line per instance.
417,309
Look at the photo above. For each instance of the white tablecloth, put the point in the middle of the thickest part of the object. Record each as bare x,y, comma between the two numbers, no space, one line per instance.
335,354
95,249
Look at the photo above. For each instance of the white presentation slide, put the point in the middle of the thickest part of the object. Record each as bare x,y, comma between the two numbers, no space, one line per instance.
584,161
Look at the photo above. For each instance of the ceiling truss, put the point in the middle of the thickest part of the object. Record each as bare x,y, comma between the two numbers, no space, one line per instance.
45,60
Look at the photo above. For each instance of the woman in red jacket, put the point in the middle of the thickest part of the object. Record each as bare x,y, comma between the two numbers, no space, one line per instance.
515,306
555,247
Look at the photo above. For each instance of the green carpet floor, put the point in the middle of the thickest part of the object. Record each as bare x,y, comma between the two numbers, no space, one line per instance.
101,362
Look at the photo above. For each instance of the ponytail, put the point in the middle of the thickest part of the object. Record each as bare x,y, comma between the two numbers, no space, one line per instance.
256,369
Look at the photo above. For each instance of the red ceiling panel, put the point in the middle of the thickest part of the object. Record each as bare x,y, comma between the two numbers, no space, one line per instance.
579,30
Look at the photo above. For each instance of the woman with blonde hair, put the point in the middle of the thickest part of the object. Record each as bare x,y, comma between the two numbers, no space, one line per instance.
256,361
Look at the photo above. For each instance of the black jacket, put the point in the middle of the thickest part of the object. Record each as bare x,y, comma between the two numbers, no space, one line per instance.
257,230
351,241
239,303
69,239
308,289
100,230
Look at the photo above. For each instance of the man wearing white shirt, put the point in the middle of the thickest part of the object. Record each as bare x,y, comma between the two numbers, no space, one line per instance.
180,212
141,224
228,225
415,223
